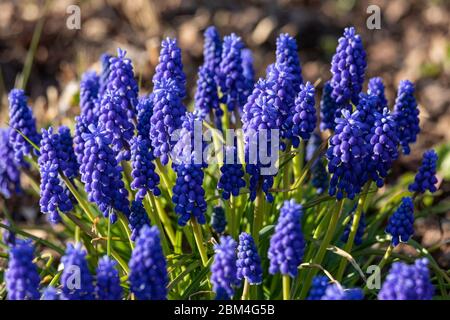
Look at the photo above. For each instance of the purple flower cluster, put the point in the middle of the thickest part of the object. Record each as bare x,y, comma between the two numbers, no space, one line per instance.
22,122
76,279
53,160
232,176
89,96
328,108
318,287
50,293
212,50
218,219
287,244
107,286
408,282
401,223
137,219
376,88
425,178
231,76
148,274
102,175
348,67
336,292
224,269
170,67
304,119
21,276
248,260
9,167
206,97
406,114
103,81
248,71
359,231
286,53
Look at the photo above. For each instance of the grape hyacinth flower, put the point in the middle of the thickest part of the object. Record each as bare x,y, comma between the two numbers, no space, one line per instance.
287,54
103,81
9,167
336,292
148,274
68,160
260,117
74,262
89,96
221,294
348,67
346,155
206,97
231,77
318,287
232,175
408,282
170,67
376,88
102,175
138,218
8,237
218,219
81,127
367,107
359,232
50,293
406,114
248,260
248,71
212,50
21,119
168,111
304,119
425,178
401,223
54,195
108,282
384,146
21,276
287,244
223,269
328,109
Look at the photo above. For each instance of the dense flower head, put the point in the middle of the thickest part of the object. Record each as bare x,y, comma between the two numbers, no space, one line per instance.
50,293
170,67
221,294
328,108
367,107
336,292
248,71
376,88
144,110
81,127
9,167
260,117
89,96
102,175
408,282
346,155
107,286
212,49
304,119
8,237
168,111
348,67
287,244
21,276
218,219
206,97
319,176
224,269
383,146
21,119
121,81
54,195
406,114
148,274
138,218
75,264
66,154
318,287
248,260
359,231
425,178
104,75
401,223
231,176
115,121
286,53
231,77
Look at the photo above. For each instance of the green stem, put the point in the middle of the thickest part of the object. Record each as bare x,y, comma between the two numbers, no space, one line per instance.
165,178
258,215
353,229
287,173
108,241
323,247
245,291
286,287
164,218
386,256
151,210
298,168
198,235
77,234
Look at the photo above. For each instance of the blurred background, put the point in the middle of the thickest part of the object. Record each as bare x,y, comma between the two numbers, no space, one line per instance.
413,43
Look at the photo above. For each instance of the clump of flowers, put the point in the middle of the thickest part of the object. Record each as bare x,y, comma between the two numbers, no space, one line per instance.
425,178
